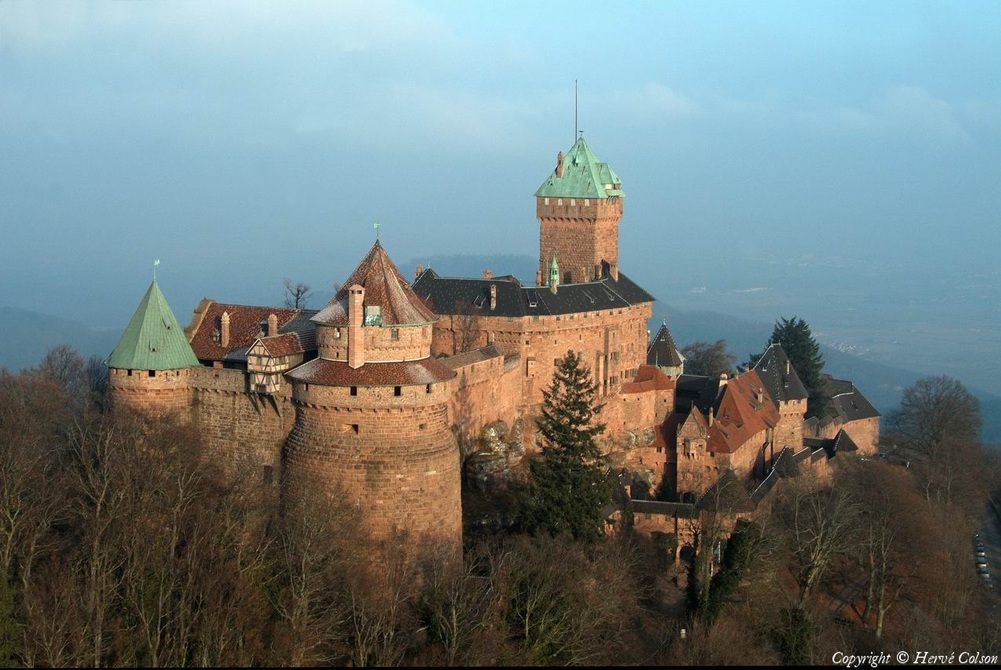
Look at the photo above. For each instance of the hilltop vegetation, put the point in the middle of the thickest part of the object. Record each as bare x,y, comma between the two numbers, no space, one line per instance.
126,543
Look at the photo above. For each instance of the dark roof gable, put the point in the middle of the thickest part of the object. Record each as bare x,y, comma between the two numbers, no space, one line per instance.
445,295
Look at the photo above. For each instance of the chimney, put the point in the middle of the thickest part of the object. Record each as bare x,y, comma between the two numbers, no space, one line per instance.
272,325
559,164
760,396
488,273
493,297
615,271
419,271
224,329
788,365
710,417
356,334
538,278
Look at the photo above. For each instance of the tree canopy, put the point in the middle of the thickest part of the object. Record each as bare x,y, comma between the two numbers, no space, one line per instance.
795,338
567,488
935,412
708,360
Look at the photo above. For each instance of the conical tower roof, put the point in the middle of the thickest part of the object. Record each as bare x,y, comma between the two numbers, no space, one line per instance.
385,287
153,340
583,176
662,351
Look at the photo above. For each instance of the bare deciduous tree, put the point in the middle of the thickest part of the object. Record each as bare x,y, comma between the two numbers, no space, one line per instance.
296,294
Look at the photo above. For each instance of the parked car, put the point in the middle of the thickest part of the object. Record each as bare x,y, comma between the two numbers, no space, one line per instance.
984,572
981,561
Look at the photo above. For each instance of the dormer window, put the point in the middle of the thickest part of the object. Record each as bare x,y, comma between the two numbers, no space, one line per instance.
373,315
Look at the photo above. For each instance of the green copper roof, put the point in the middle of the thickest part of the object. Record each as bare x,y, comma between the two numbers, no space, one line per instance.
153,340
584,176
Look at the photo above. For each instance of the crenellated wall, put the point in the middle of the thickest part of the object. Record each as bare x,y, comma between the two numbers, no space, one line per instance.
395,457
152,391
580,233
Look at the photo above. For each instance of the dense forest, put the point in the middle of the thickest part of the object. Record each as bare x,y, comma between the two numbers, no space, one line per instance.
125,543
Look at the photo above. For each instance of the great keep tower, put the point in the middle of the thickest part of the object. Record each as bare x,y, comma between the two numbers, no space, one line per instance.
371,411
579,207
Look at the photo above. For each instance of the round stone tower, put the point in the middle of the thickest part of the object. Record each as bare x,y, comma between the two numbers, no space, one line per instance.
151,366
371,410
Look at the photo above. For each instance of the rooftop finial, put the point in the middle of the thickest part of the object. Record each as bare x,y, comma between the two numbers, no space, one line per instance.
575,131
376,226
155,263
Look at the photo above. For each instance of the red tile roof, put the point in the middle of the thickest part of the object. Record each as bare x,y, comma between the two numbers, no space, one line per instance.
648,378
739,416
244,327
283,345
338,373
384,286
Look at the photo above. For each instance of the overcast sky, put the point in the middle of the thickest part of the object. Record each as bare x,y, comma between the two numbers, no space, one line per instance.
243,142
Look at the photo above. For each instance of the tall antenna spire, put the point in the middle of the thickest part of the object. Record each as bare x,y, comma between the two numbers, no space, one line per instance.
574,110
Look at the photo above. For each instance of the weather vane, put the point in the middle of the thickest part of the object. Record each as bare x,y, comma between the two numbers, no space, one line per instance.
155,263
376,226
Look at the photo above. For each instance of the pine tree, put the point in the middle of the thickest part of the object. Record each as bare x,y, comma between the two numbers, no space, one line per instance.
567,488
797,341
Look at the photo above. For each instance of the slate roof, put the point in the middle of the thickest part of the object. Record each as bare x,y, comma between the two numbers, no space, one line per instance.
782,386
247,323
696,391
663,352
845,402
447,295
338,373
584,176
384,286
831,445
153,339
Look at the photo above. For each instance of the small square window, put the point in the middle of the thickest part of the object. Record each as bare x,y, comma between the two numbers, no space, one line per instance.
354,390
397,391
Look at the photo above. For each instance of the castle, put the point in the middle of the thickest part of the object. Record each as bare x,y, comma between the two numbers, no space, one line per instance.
384,391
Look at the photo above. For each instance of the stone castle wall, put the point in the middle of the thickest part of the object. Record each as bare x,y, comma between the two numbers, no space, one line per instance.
484,392
152,391
381,343
240,424
789,431
394,457
580,233
613,344
864,433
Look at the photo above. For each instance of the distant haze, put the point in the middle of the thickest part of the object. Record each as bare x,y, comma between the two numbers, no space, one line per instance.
836,161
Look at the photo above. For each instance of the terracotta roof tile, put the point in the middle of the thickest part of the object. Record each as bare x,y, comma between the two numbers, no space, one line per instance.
286,344
384,286
738,414
648,378
244,327
338,373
